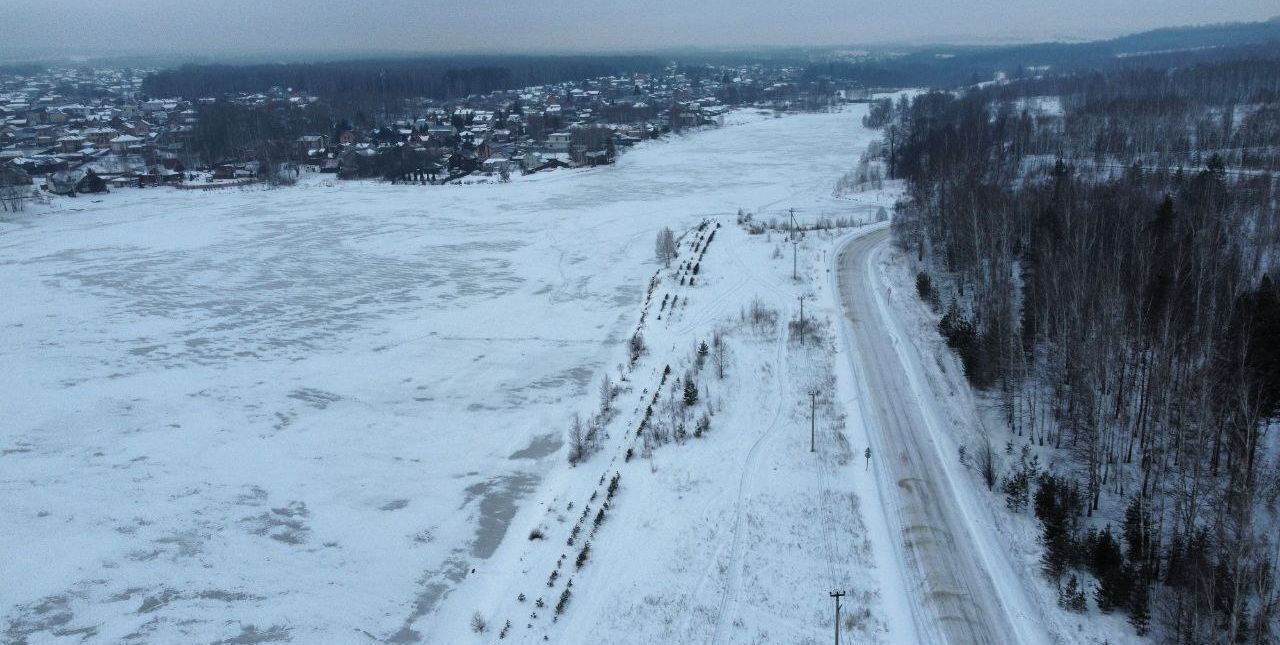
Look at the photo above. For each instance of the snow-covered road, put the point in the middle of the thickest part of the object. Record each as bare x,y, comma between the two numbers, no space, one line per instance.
963,583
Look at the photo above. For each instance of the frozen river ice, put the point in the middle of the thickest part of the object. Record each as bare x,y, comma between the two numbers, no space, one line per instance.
305,413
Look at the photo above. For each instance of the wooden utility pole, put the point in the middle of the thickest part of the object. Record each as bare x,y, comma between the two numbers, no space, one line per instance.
802,328
813,407
837,595
795,242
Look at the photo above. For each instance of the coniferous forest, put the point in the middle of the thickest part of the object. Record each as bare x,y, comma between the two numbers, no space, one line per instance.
1102,249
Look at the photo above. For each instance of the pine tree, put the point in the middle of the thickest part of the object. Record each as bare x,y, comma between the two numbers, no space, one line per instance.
1140,609
1071,596
1114,577
1056,501
690,392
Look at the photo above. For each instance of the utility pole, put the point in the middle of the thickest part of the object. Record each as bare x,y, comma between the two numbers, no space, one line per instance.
813,433
837,595
802,328
795,276
795,242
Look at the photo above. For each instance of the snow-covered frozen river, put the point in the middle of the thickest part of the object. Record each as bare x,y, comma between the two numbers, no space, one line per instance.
304,413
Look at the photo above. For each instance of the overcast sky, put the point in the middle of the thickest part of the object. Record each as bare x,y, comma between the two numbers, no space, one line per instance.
92,27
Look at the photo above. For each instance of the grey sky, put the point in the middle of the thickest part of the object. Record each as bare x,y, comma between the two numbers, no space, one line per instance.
91,27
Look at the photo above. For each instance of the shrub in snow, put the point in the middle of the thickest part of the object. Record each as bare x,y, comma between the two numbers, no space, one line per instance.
564,601
704,424
761,317
477,623
606,394
584,554
536,534
636,346
986,462
577,440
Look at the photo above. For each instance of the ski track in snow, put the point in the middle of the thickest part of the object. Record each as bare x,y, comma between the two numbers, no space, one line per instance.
729,599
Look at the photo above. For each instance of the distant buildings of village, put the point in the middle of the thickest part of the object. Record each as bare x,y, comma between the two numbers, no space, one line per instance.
70,131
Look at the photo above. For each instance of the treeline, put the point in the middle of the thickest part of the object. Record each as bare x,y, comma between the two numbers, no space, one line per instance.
964,65
369,84
233,132
1128,322
1156,117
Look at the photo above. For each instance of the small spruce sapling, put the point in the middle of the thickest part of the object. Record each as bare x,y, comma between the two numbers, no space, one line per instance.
690,392
564,601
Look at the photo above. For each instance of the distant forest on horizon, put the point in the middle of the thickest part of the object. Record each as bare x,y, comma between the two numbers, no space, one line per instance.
387,79
359,81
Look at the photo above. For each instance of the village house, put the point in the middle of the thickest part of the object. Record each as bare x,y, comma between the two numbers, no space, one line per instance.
307,145
559,142
120,145
100,137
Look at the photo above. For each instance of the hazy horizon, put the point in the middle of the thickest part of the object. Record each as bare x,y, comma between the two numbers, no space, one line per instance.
234,28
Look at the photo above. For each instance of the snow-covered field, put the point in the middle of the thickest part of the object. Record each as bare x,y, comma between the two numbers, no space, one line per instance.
333,413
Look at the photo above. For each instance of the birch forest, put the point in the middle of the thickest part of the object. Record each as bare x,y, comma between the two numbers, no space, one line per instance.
1102,251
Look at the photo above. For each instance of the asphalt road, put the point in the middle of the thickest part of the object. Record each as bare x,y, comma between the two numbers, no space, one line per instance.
957,601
